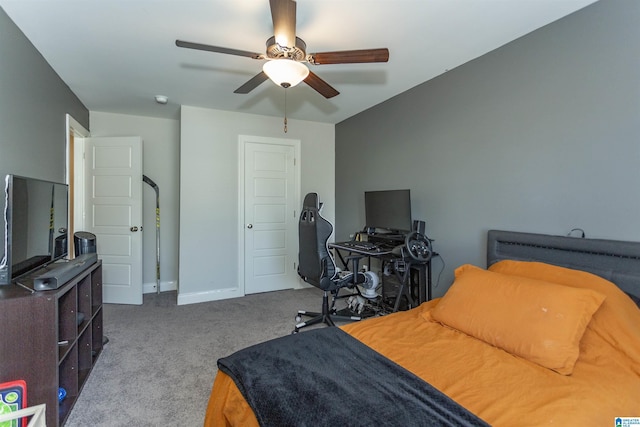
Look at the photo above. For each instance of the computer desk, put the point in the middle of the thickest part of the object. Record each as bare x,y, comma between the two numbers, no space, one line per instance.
385,255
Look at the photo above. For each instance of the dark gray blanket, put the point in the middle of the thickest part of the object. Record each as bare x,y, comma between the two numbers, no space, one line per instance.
325,377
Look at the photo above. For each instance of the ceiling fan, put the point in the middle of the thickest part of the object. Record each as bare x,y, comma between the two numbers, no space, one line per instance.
286,54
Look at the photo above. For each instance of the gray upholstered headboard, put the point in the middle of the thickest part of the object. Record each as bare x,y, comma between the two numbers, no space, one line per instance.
615,260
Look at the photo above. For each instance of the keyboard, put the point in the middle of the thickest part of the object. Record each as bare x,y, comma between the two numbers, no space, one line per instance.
363,246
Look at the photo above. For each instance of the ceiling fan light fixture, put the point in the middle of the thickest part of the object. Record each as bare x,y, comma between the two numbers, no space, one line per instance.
285,72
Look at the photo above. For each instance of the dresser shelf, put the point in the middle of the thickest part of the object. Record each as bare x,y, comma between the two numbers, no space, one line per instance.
52,339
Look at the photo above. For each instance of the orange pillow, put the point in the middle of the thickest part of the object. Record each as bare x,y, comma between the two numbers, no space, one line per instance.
561,275
539,321
617,320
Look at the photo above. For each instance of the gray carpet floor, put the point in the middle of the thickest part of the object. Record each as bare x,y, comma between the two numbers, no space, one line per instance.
160,362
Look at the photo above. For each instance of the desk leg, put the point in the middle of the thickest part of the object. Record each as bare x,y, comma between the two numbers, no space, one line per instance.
429,296
424,282
405,288
355,262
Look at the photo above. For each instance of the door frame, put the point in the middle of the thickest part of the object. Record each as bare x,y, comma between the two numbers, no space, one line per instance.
242,141
74,174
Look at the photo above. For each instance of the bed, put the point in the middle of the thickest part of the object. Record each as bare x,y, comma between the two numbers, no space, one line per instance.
548,334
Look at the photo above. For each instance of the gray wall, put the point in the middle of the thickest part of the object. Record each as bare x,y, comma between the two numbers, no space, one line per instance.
33,104
212,219
540,135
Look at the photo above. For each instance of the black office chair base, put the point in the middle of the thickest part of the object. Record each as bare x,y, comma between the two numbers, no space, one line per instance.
326,316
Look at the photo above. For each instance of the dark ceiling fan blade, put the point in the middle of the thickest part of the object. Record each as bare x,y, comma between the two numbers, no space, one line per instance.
253,83
322,87
218,49
350,56
283,14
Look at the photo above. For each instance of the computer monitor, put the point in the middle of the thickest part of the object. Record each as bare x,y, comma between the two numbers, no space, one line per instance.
388,210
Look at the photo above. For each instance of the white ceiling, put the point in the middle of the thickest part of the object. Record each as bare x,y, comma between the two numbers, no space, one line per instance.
116,55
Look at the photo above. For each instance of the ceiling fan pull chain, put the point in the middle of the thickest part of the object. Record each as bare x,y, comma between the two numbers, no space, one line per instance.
285,110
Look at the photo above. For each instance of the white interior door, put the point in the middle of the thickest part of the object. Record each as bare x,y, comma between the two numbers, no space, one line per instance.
270,214
113,212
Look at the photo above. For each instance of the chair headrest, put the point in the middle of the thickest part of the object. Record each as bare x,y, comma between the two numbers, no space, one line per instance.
311,201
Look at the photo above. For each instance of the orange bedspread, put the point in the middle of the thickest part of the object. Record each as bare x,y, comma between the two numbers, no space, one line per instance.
500,388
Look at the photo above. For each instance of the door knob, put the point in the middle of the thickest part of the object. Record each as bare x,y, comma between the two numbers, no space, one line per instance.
134,229
249,225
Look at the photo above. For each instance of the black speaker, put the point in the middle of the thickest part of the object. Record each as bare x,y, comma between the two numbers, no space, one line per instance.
84,243
60,247
419,226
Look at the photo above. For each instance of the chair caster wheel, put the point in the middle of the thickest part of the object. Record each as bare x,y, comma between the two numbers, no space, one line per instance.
295,331
298,318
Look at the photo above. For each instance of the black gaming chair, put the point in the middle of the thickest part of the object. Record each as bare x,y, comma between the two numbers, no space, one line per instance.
316,265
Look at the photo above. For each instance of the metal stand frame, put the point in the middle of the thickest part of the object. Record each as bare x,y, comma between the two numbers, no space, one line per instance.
157,190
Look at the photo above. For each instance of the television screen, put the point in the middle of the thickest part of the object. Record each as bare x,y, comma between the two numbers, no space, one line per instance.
389,210
35,223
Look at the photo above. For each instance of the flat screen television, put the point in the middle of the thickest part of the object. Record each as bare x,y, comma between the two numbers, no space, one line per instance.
388,210
34,225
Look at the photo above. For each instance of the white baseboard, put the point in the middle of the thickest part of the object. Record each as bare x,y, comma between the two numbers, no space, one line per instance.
150,288
206,296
